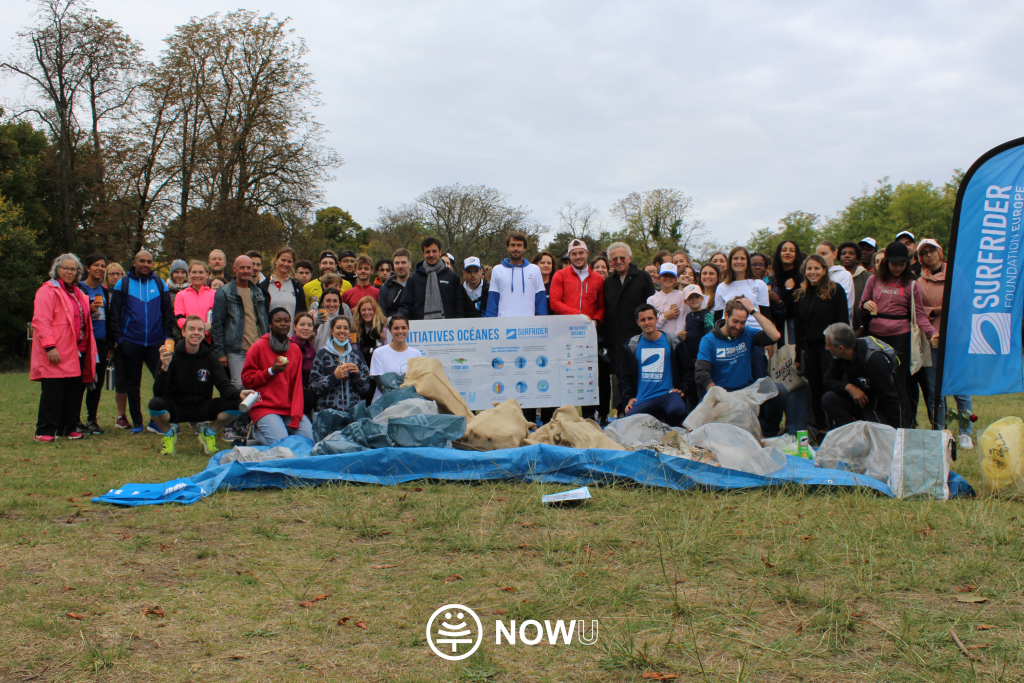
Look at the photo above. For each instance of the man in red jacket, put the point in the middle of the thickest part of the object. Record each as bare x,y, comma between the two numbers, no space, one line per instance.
273,367
578,290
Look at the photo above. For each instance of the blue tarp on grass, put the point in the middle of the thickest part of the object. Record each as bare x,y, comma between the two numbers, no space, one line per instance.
548,464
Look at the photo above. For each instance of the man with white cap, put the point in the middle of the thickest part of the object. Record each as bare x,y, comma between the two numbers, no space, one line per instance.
475,288
669,302
868,249
907,238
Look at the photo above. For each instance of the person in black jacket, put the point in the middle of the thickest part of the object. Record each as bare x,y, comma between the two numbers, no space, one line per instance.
475,288
389,298
861,380
644,386
183,389
625,288
433,292
817,303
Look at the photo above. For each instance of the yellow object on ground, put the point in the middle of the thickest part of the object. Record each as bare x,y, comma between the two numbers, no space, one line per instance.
427,376
1001,456
500,427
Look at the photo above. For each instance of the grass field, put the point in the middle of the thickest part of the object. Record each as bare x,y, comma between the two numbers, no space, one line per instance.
780,585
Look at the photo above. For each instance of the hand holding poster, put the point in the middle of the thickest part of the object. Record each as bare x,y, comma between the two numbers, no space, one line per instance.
542,362
980,339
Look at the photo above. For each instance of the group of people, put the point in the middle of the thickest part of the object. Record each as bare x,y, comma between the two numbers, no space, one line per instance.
667,332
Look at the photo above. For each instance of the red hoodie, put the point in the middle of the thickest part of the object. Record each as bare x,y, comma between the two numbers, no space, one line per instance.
570,296
280,394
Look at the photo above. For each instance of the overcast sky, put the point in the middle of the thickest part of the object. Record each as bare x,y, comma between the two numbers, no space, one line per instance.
754,109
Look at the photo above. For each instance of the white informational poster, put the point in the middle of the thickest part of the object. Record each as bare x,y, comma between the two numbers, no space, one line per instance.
542,362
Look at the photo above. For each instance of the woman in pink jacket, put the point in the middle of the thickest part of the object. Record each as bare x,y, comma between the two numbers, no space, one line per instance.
63,350
195,300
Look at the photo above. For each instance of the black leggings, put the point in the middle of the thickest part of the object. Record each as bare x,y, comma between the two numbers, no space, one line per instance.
815,364
901,345
92,394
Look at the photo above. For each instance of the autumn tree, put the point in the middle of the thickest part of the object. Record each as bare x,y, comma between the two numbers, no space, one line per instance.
658,219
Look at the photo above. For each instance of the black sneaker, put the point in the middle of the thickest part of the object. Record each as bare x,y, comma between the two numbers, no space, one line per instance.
81,428
92,428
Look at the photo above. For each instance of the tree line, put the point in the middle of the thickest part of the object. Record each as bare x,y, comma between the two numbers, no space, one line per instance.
215,145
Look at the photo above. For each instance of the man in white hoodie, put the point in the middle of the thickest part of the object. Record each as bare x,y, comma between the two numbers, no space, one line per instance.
839,275
517,286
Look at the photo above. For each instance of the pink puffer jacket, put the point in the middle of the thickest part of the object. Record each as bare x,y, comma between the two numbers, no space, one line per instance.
52,325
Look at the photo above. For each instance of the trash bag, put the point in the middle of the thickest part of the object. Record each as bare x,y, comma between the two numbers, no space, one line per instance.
786,444
639,431
735,447
859,447
328,421
500,427
391,398
390,381
567,428
427,375
1001,458
407,408
335,444
738,408
920,464
426,431
367,433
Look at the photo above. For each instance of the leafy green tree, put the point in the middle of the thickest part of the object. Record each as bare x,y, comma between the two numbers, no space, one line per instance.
22,267
798,226
339,230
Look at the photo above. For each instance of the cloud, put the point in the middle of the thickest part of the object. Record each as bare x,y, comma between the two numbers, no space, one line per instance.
754,109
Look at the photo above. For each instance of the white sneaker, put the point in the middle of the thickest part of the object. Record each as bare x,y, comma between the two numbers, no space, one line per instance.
965,442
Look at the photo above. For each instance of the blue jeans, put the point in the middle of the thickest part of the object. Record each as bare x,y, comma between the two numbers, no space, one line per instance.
937,410
670,408
272,428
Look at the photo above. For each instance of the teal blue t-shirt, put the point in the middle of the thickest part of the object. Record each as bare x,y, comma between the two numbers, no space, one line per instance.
654,368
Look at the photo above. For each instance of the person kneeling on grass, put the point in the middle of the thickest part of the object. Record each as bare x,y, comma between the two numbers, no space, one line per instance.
273,367
183,390
656,372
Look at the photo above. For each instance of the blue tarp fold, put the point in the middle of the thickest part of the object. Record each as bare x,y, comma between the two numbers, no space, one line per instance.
542,463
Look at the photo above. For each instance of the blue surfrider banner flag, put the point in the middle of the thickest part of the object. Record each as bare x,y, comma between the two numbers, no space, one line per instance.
980,339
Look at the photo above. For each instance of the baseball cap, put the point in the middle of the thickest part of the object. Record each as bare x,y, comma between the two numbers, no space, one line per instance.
348,253
450,258
870,241
668,269
577,244
471,262
908,234
896,252
690,290
929,242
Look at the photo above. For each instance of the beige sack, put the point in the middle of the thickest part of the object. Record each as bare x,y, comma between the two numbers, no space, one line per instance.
427,376
500,427
567,428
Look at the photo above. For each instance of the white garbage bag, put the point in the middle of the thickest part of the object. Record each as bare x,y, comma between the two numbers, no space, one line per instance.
859,447
639,431
738,408
736,448
406,408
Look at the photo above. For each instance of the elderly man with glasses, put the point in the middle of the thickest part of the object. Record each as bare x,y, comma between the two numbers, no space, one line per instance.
625,288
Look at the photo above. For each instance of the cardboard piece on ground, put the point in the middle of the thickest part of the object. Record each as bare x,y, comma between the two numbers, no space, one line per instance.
572,496
427,376
500,427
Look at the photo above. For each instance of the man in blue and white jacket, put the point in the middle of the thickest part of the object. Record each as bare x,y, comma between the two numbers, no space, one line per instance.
141,319
517,286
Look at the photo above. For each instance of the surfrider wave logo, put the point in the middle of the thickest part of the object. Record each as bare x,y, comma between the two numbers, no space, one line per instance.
453,637
510,334
1001,322
652,360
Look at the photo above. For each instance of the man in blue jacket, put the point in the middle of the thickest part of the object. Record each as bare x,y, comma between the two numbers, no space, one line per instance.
141,319
656,373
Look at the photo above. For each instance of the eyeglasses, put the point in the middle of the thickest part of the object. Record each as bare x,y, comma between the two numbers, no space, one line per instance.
69,269
616,259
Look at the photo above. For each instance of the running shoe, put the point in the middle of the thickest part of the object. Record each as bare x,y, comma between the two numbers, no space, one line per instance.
74,435
153,428
208,440
965,442
43,437
170,440
92,428
228,434
137,429
122,422
81,428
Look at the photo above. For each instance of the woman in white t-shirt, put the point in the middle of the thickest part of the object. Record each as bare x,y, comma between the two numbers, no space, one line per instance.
739,280
395,356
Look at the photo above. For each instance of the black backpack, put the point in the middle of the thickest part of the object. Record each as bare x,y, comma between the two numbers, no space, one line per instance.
876,346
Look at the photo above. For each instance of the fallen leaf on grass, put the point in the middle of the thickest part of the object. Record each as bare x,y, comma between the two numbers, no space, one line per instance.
341,622
361,624
23,459
500,611
66,588
964,589
509,589
800,628
385,533
76,615
766,563
157,611
384,566
655,676
453,578
418,489
808,538
984,627
971,598
927,531
309,603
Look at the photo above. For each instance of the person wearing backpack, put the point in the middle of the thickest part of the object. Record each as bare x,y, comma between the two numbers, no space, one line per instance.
861,382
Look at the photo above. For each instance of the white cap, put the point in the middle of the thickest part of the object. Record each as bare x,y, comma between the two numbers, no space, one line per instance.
928,242
907,233
450,258
668,269
870,241
577,244
471,262
690,290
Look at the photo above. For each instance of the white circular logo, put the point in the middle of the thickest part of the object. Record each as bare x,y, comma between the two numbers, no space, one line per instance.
453,631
